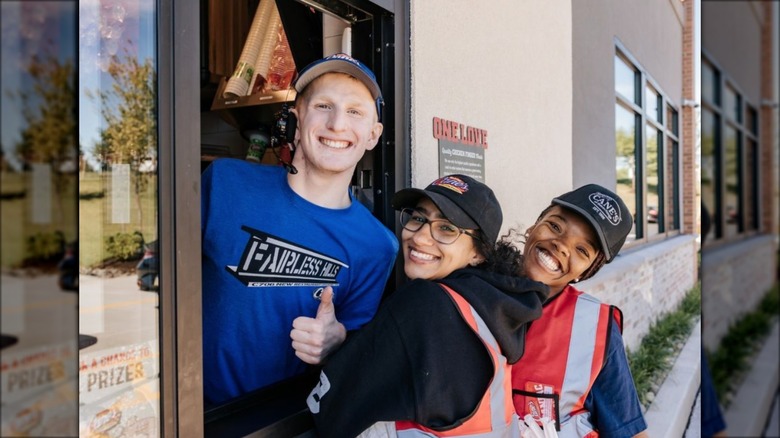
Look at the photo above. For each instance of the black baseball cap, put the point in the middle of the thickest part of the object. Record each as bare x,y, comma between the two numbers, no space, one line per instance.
341,63
464,201
605,210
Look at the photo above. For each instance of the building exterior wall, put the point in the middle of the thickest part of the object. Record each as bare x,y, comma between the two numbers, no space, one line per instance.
503,66
731,34
770,127
539,77
740,39
652,32
648,279
646,284
735,278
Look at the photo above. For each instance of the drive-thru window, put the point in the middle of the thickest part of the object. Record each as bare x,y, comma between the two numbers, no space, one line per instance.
158,106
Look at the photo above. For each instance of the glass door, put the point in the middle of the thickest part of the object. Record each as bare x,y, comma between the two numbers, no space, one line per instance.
119,287
38,217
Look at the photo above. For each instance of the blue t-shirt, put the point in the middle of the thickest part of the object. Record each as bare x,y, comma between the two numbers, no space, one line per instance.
266,252
612,401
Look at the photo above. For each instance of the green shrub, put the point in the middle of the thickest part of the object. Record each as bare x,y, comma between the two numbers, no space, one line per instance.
125,246
745,337
46,246
654,357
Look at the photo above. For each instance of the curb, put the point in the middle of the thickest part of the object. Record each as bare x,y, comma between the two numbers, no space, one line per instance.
749,409
668,415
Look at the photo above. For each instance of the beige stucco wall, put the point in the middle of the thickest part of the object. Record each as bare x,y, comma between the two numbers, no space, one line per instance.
731,35
503,66
651,31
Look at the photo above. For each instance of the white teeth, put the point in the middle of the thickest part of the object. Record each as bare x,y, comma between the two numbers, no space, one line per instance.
547,260
334,143
421,255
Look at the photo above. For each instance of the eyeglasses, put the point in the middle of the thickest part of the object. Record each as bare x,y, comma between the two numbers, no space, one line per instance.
442,230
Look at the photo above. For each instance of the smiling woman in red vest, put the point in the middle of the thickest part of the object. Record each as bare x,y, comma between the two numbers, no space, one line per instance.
574,371
435,361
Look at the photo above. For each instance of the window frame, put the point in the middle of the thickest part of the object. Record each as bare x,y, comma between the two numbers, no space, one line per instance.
746,124
278,410
669,193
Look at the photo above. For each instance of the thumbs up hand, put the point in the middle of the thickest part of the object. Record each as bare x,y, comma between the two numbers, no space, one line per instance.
314,338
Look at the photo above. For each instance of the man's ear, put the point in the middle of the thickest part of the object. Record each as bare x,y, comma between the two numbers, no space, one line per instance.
376,132
296,134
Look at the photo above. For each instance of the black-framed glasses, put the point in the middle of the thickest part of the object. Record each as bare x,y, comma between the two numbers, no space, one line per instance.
442,230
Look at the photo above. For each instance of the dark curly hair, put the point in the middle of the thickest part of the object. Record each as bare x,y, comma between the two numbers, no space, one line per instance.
502,257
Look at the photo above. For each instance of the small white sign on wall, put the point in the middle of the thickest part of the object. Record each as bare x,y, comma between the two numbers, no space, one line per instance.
120,193
41,193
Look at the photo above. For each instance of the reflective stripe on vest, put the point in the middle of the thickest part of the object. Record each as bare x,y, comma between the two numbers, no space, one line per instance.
494,416
556,380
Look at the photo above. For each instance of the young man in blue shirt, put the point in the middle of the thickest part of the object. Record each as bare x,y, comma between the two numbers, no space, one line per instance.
291,261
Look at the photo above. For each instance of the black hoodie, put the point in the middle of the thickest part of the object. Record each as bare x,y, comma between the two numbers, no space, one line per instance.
418,359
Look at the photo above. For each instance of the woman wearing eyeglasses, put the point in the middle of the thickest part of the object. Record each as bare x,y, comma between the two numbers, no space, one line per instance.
435,359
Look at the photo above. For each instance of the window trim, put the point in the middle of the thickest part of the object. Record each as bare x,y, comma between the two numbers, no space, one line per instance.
669,131
745,134
182,410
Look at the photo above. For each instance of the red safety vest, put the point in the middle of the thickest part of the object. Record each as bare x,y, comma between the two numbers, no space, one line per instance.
495,416
564,352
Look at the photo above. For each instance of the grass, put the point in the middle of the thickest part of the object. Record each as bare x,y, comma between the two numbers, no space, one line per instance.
745,337
16,215
655,355
96,223
88,217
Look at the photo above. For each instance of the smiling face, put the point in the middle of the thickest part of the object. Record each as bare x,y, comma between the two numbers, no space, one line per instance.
337,124
428,259
560,247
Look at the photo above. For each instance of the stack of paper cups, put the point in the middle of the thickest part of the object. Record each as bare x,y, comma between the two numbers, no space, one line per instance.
263,62
346,41
238,84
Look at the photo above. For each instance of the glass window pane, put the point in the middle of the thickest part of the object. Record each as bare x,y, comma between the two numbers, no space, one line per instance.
672,185
751,121
625,142
710,83
655,216
625,80
709,168
671,120
751,185
732,211
38,219
119,296
732,105
652,107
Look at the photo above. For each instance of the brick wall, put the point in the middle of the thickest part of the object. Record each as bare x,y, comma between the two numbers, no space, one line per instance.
734,279
769,193
690,176
646,283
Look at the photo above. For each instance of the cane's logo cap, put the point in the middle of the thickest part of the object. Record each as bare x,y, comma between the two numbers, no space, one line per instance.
606,212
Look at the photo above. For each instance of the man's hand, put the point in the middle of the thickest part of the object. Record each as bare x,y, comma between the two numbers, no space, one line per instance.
315,338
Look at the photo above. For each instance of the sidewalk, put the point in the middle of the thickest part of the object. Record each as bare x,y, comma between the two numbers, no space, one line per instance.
754,411
668,415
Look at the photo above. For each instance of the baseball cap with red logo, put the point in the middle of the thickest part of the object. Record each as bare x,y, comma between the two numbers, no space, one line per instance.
606,211
464,201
